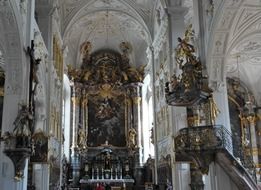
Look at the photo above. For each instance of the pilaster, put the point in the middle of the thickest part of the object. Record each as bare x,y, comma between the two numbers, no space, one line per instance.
176,28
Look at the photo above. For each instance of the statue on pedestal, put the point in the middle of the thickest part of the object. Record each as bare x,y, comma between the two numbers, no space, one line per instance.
132,138
22,129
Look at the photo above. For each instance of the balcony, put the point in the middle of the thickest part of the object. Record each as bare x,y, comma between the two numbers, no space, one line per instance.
206,144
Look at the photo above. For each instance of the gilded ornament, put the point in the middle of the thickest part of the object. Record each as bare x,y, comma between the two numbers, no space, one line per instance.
85,48
126,48
75,100
214,111
188,87
252,119
254,151
136,100
2,92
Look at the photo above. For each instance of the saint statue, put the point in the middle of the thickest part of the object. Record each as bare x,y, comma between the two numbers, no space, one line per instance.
132,138
22,129
107,160
82,138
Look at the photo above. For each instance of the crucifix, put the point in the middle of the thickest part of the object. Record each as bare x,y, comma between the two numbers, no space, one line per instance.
33,79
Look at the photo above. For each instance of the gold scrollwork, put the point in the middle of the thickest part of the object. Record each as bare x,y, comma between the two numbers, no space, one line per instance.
136,100
57,57
193,120
214,111
252,119
252,151
1,91
84,101
75,101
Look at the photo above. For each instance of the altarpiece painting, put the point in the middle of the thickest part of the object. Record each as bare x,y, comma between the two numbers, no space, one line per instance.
106,121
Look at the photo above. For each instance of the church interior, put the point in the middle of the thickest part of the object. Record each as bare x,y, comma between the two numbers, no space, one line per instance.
130,94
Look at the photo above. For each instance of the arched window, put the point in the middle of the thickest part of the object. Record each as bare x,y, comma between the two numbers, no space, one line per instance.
147,119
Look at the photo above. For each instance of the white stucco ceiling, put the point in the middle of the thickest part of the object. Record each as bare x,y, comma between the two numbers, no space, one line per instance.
107,23
243,58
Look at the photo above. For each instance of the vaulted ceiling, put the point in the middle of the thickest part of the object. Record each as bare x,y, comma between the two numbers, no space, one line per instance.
107,23
243,59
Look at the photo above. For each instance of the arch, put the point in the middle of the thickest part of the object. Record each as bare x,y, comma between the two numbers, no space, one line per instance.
138,19
223,38
12,48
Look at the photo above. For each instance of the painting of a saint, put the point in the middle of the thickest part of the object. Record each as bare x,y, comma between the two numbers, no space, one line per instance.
106,121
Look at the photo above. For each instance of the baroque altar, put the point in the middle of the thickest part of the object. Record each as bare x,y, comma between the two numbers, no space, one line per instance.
106,95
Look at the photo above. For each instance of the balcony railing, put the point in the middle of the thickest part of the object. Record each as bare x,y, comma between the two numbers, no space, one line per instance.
206,141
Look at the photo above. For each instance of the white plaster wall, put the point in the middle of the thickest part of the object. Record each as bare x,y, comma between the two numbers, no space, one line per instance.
41,176
223,181
182,176
217,179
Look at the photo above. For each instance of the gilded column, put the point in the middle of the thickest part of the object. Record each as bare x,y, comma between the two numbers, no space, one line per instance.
135,94
252,119
258,134
83,119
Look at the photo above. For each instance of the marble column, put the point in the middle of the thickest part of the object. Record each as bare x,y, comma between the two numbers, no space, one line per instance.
75,157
